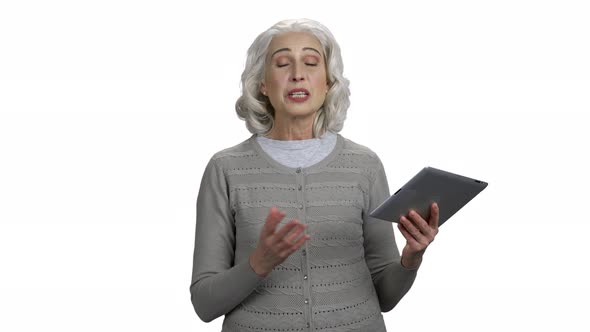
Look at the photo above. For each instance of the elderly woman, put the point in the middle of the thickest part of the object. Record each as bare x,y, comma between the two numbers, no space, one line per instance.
284,241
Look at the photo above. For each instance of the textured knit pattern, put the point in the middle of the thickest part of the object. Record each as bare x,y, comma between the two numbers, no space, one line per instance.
344,276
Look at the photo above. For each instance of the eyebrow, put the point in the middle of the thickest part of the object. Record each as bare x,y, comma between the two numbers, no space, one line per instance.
288,49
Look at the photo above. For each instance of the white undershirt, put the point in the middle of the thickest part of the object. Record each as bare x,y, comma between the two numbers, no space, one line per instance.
299,153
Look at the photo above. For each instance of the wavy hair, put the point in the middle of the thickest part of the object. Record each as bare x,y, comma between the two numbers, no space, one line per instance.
255,108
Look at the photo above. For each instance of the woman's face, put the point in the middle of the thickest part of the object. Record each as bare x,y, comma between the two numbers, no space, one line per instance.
295,74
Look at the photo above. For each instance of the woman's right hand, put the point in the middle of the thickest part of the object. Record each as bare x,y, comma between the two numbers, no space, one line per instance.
275,246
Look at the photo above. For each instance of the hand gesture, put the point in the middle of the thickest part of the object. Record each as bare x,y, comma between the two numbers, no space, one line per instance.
275,246
419,234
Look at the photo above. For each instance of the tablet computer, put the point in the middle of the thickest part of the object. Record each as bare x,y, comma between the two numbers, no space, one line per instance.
450,191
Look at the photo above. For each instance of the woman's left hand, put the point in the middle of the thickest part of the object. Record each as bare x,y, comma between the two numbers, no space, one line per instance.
419,234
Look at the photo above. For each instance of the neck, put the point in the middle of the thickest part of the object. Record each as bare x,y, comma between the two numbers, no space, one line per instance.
292,128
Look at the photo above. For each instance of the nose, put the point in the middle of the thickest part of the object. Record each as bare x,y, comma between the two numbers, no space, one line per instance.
297,74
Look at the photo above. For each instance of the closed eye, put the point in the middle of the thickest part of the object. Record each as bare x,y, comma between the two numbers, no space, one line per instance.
286,64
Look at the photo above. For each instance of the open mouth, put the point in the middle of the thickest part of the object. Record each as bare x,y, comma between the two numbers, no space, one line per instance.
298,94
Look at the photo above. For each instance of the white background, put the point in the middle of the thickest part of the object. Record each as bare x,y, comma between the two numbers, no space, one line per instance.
110,110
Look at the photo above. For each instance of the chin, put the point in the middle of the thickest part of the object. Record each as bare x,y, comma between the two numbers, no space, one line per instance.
301,110
300,113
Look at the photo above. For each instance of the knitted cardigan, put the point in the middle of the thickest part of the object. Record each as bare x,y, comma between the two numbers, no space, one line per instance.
341,279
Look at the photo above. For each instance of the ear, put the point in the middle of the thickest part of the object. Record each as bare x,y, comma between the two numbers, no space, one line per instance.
263,88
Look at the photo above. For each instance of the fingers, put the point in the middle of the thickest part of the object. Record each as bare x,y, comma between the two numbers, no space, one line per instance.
409,237
284,237
287,228
292,242
275,246
412,229
434,216
418,222
428,229
288,235
422,231
291,238
273,218
419,233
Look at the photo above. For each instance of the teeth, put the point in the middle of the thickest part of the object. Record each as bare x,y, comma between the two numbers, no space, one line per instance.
298,94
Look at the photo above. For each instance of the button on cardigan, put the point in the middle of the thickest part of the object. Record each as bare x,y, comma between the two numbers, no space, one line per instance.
341,279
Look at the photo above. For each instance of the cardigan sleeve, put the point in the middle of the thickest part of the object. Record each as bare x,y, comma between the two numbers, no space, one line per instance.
391,280
217,285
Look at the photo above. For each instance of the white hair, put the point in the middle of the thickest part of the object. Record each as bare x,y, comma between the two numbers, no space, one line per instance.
255,108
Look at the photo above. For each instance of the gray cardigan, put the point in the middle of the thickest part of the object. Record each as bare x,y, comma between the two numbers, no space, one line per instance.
343,277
